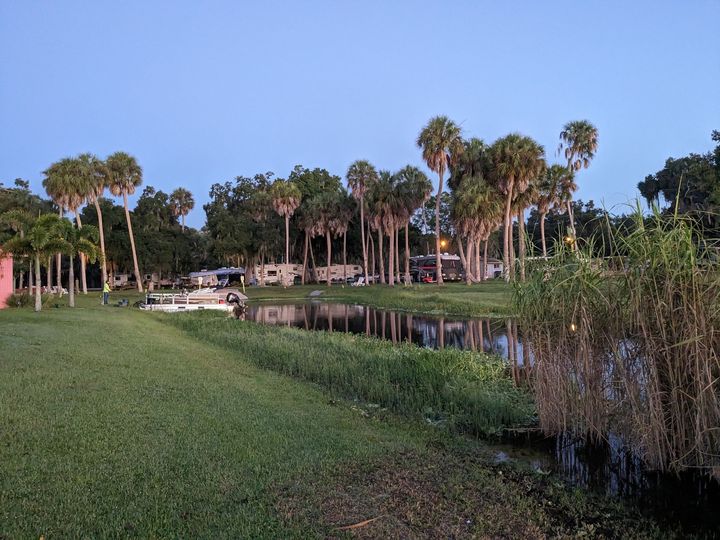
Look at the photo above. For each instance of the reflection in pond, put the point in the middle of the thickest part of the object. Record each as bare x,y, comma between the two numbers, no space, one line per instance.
488,335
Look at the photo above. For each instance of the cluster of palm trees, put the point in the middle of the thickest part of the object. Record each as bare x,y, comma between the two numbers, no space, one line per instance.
492,185
73,182
42,237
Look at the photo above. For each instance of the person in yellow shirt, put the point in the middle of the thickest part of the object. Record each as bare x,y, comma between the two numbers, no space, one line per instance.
106,293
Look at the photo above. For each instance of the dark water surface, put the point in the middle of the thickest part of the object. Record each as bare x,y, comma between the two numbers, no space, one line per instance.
435,332
692,499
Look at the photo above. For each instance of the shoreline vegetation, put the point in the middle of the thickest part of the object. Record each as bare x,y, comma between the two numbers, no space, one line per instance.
130,434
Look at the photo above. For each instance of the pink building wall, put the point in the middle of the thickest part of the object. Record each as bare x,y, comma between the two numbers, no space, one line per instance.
6,278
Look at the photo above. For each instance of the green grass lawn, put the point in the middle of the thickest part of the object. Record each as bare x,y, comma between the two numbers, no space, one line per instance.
477,300
114,424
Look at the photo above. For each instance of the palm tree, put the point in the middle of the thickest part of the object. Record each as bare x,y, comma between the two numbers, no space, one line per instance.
286,197
324,209
125,176
523,201
360,176
181,202
415,189
96,176
441,144
19,221
550,195
68,185
516,160
340,223
579,140
78,241
43,239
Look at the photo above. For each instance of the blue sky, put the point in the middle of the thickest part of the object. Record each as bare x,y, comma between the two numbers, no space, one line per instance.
201,92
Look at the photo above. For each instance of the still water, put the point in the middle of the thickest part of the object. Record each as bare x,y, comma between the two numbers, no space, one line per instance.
608,468
489,335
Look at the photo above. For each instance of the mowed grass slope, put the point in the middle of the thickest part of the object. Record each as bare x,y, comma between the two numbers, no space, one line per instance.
112,423
478,300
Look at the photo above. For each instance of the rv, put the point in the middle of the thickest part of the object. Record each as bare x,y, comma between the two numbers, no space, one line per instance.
277,274
338,272
422,268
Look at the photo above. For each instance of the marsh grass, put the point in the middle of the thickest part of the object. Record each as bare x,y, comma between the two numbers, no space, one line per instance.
468,392
631,346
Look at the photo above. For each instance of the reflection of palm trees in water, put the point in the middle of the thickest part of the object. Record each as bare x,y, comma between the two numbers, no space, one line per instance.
498,336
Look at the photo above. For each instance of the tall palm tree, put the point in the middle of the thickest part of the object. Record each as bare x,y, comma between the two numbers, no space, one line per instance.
516,160
324,208
125,176
181,202
523,201
67,184
43,239
96,176
550,195
441,144
286,197
341,222
579,141
78,241
415,189
360,176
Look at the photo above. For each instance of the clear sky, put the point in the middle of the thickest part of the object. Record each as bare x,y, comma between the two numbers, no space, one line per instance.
203,91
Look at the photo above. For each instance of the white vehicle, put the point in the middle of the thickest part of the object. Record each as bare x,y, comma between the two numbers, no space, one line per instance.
338,273
277,274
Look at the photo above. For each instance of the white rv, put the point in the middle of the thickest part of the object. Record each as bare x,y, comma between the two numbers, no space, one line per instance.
277,274
338,273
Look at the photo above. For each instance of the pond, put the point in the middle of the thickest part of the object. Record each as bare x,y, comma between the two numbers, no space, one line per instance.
497,336
690,498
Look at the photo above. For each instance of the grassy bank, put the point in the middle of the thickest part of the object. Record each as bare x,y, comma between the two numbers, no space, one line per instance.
116,424
491,298
463,390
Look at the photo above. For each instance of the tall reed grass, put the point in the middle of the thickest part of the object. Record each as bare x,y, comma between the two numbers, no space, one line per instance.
631,344
465,391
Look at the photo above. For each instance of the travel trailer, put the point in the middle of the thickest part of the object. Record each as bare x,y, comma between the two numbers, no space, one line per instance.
338,273
277,274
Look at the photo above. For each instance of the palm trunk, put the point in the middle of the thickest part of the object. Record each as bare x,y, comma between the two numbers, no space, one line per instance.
391,257
465,259
136,268
30,275
372,252
438,261
573,233
71,284
103,263
521,242
329,256
476,252
305,257
362,234
345,255
484,263
380,255
312,258
287,238
506,234
542,233
83,268
38,292
182,221
512,250
397,253
407,253
58,261
49,272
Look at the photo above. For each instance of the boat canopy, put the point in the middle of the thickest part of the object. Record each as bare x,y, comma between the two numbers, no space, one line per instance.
219,272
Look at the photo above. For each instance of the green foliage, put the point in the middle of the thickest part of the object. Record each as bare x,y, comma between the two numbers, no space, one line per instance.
630,344
466,391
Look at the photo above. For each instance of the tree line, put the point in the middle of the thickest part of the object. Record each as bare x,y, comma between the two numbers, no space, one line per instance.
253,220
